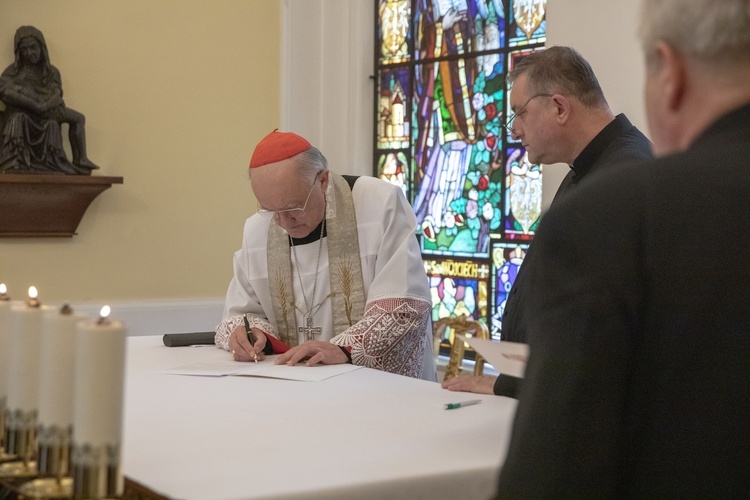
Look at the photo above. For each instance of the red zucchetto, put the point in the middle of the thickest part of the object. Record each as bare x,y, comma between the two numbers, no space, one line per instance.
278,146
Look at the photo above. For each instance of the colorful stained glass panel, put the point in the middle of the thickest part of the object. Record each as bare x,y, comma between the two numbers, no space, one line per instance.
393,108
527,22
393,168
394,34
458,288
457,148
506,262
523,195
458,27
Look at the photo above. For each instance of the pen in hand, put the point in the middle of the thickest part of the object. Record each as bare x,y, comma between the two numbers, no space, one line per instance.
455,406
250,336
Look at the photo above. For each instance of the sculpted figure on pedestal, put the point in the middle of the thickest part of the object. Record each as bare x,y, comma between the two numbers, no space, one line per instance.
30,127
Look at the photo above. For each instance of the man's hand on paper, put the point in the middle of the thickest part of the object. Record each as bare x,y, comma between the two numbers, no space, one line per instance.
240,348
483,384
314,351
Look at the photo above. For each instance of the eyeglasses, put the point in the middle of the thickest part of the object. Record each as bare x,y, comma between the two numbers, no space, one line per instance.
291,212
509,125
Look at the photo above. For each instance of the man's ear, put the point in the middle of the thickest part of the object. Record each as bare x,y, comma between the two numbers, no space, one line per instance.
673,74
324,178
562,108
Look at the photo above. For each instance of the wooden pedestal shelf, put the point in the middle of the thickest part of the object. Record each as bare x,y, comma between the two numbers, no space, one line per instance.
34,205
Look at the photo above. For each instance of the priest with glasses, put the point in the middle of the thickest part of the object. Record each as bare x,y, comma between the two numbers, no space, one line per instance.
329,270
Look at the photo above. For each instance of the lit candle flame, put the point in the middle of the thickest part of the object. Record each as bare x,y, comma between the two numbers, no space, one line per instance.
33,294
3,288
103,316
104,312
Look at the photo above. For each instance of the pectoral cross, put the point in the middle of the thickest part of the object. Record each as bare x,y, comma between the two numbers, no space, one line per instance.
309,330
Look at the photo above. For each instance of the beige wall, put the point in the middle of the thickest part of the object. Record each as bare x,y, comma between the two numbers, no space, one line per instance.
176,93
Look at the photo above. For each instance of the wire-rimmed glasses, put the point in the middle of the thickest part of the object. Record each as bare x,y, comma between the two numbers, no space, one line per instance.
509,125
290,212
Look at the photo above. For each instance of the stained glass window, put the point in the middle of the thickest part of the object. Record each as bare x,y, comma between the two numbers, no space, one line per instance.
458,288
506,262
441,103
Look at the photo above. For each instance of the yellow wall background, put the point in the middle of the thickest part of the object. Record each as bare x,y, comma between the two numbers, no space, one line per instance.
176,93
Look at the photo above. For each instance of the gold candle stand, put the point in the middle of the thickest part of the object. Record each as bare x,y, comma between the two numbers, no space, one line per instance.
20,440
96,471
53,463
4,455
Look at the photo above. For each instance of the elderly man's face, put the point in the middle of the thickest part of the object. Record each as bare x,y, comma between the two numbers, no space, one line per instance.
278,188
30,50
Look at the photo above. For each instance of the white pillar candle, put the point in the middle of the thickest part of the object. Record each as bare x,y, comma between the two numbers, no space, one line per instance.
57,367
23,362
5,304
98,407
5,350
55,428
23,377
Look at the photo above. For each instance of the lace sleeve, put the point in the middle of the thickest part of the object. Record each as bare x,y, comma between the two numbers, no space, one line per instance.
229,323
390,337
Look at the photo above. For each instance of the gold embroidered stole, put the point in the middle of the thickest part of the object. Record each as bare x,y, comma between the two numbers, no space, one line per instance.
344,266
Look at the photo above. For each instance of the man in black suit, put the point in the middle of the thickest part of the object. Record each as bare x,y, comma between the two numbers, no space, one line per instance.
560,115
638,381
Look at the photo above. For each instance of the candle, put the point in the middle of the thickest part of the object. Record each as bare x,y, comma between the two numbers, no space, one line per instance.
98,407
5,304
4,349
23,376
56,390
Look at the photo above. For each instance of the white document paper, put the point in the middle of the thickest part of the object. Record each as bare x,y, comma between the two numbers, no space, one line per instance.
297,372
508,358
221,368
214,368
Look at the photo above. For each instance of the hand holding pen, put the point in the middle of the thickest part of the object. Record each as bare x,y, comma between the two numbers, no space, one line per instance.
247,343
250,336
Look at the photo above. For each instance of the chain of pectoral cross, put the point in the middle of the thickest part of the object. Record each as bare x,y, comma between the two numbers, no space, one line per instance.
309,330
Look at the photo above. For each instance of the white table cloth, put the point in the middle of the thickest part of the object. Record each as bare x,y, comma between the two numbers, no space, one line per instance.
364,434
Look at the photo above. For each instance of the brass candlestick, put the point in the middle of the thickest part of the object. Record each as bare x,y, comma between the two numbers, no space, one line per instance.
20,440
48,488
4,455
96,471
53,463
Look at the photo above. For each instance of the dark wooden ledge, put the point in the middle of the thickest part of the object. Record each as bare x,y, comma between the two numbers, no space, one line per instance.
34,205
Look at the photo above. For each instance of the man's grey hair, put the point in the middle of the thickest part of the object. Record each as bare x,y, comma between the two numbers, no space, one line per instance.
310,163
713,32
560,70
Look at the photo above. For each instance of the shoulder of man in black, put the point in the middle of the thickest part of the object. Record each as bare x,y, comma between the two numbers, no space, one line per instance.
626,145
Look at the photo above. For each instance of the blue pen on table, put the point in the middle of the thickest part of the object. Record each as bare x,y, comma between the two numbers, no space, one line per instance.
249,334
455,406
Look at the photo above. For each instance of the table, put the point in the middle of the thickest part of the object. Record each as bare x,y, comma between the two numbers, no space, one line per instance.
364,434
